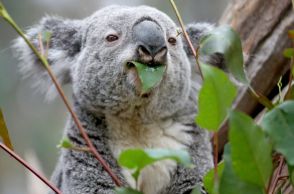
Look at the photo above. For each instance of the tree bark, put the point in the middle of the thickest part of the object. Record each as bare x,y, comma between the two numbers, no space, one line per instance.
262,26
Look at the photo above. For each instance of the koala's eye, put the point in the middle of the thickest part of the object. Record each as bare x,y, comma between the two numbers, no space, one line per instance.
172,41
111,38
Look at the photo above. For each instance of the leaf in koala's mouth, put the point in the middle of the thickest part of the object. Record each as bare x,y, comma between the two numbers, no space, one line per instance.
150,76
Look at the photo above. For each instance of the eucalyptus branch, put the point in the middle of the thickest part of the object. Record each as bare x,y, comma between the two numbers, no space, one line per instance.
25,164
44,61
194,52
272,187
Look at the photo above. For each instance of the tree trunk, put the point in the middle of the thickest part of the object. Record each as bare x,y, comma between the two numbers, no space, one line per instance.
263,27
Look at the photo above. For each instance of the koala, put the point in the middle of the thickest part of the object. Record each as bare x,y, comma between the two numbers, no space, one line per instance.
92,55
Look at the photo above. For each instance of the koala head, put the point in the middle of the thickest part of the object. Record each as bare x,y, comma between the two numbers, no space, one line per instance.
93,54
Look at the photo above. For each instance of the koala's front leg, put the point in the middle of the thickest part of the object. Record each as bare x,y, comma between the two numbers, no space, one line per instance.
185,179
83,174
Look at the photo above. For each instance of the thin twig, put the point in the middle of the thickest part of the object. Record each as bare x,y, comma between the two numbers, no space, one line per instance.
269,183
271,187
82,130
283,177
30,168
261,99
289,90
64,99
195,54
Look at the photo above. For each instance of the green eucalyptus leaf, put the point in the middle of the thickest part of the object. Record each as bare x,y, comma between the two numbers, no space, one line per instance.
209,178
215,98
288,53
4,132
279,125
226,41
123,190
150,77
137,159
230,183
65,143
250,150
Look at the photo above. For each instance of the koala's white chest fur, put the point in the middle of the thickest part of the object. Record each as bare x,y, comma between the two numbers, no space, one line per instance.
126,134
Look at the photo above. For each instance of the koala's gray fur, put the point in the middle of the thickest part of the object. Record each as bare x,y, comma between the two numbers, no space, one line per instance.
110,109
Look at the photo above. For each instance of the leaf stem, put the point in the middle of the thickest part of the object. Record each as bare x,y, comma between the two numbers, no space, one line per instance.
289,90
195,54
261,98
44,61
25,164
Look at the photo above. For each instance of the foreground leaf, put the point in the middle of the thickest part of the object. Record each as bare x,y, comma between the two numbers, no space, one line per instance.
226,41
137,159
215,98
279,124
150,77
4,132
250,150
122,190
209,178
230,183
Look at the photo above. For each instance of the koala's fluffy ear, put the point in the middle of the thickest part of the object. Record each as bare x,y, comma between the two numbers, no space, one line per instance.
196,31
64,48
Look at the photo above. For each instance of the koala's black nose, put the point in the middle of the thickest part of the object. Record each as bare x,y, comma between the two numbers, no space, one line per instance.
151,41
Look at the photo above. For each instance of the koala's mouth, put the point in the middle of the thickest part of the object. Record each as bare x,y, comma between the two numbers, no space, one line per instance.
150,75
